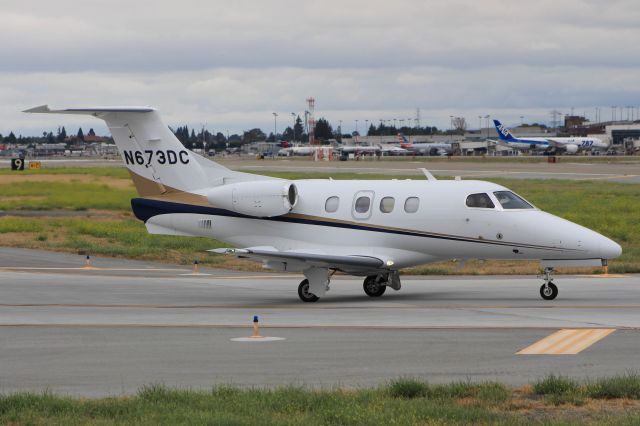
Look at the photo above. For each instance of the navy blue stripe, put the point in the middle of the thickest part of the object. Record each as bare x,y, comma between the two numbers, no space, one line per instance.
144,209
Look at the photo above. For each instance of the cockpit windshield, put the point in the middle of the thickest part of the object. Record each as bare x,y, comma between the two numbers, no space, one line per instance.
509,200
481,201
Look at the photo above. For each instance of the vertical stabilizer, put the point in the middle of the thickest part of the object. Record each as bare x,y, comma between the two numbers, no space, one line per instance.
156,159
504,133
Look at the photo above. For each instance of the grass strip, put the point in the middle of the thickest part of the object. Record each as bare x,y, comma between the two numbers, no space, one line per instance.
405,401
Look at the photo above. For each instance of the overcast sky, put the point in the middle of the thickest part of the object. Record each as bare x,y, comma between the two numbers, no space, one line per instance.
230,64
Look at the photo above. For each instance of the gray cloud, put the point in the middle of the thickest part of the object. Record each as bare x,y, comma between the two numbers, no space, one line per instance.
230,64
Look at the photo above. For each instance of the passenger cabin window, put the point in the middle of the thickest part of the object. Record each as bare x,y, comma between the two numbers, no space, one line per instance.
509,200
387,204
331,205
411,204
481,201
363,204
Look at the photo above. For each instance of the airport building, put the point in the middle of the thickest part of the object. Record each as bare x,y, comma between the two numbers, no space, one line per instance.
618,133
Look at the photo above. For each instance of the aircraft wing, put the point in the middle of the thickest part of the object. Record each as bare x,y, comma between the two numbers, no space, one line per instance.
554,143
301,260
499,142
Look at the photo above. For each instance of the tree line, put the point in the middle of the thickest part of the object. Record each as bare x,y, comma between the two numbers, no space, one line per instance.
203,138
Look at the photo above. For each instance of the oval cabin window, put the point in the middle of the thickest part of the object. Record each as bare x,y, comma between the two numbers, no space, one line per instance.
387,204
363,204
331,205
411,204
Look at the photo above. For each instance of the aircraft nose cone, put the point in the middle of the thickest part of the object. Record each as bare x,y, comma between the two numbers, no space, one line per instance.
609,249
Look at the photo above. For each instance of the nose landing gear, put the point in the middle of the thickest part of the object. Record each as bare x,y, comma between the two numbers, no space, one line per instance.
548,290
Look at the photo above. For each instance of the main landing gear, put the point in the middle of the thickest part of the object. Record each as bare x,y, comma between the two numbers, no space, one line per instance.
317,281
549,290
304,294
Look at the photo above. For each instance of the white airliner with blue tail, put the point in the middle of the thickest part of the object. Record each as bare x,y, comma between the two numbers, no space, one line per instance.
368,228
571,145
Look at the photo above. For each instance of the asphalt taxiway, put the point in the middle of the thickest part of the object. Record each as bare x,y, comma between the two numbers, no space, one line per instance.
566,168
119,325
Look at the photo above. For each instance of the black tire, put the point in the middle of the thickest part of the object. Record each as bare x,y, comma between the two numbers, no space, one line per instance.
549,292
372,286
303,292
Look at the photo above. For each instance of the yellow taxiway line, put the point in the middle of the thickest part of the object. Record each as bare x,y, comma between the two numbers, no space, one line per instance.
567,341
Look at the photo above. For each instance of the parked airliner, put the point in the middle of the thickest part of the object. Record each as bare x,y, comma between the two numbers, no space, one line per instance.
424,148
360,227
571,145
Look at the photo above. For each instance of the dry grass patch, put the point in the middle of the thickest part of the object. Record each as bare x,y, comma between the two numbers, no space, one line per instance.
113,182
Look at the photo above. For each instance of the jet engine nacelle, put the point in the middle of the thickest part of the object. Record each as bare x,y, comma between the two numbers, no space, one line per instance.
266,198
571,149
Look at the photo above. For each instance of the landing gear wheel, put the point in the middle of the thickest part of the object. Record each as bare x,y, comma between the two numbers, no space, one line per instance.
303,292
549,291
373,286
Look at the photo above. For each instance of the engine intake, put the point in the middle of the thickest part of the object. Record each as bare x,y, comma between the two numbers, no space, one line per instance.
266,198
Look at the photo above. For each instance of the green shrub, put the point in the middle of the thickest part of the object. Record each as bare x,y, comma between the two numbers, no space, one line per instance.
624,386
555,385
408,388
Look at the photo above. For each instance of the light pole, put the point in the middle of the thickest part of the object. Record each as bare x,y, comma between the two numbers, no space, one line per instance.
480,125
204,141
521,120
293,114
366,127
306,123
356,126
275,126
487,117
394,123
340,130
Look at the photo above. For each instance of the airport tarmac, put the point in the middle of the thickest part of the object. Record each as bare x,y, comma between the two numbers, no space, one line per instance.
114,327
625,172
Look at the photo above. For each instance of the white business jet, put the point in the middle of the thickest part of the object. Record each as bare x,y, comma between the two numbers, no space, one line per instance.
317,227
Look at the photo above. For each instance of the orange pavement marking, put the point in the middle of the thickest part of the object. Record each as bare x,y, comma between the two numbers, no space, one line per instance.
567,341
